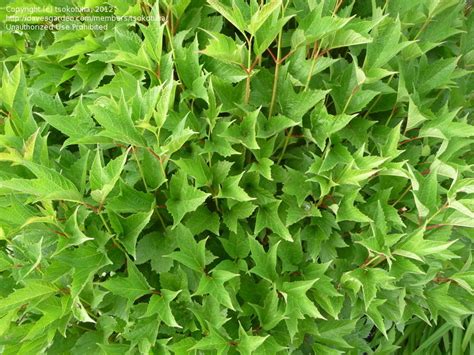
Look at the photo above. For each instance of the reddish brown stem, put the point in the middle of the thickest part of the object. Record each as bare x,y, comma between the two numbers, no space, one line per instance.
436,226
409,140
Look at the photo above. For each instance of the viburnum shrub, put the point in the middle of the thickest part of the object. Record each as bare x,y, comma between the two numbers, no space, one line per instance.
253,177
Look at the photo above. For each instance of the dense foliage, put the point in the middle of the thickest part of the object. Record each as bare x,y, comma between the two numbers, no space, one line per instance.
253,177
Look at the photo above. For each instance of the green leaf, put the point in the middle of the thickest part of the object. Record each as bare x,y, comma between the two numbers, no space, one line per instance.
191,253
416,247
196,168
348,212
230,189
233,15
248,344
131,287
262,14
183,197
270,314
268,31
153,34
265,263
103,179
116,120
73,229
415,117
32,290
187,60
436,75
153,247
369,280
130,200
77,125
245,132
237,244
441,303
298,305
214,285
177,139
267,217
84,262
385,44
296,185
201,220
129,228
214,341
238,211
160,305
49,185
225,49
14,94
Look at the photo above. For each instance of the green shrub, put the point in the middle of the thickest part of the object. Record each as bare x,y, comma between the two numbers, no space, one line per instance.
253,177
